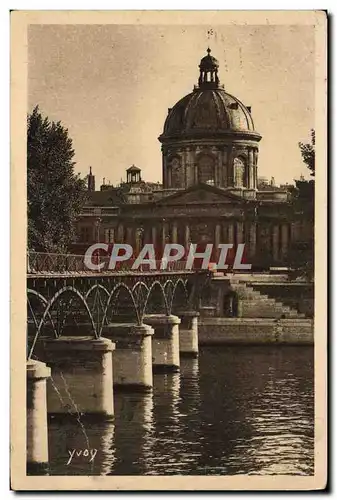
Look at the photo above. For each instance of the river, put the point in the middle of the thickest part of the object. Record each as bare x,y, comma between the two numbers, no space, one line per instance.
234,410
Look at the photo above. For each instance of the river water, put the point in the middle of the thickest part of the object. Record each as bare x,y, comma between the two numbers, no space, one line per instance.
235,410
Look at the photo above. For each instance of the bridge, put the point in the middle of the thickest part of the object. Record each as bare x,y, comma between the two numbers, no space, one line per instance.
62,292
90,333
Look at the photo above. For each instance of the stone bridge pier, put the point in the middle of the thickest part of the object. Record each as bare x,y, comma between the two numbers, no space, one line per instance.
37,429
165,344
132,359
188,334
81,381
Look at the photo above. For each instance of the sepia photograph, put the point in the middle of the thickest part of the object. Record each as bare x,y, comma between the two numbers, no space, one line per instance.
169,201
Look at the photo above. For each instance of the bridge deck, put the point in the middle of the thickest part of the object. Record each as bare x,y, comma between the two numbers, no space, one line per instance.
133,274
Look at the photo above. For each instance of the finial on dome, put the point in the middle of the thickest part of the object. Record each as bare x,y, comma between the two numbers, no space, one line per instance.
209,51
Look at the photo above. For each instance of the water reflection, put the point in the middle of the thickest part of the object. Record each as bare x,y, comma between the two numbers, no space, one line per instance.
66,435
235,410
134,432
264,412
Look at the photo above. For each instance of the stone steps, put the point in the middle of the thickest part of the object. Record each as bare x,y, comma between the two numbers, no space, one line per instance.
253,304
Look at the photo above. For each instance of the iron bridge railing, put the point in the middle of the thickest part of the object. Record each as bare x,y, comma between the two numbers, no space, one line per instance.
55,263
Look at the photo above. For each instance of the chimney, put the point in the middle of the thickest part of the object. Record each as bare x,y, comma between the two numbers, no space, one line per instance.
91,181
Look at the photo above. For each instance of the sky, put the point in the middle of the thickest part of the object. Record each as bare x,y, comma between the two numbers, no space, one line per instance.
111,86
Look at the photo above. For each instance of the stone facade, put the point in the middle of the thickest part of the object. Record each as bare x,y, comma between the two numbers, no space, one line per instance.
209,191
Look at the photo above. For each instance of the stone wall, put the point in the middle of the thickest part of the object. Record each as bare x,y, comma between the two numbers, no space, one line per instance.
214,331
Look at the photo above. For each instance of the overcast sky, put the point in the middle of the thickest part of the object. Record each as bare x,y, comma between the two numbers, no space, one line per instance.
111,86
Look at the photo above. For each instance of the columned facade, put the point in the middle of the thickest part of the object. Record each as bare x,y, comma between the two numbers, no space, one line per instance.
265,241
209,192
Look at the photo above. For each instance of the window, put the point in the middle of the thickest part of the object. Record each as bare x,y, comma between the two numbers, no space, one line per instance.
85,233
239,173
109,235
206,170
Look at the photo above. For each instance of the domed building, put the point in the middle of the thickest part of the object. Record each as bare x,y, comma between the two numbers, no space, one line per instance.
209,191
209,137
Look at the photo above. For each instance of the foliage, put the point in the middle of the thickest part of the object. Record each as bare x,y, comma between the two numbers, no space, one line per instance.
308,153
301,255
55,193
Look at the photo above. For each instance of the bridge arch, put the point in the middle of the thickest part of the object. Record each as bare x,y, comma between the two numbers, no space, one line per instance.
95,287
179,295
113,303
156,303
53,300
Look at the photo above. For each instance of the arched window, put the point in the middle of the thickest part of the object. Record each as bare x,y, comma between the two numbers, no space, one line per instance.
206,170
239,172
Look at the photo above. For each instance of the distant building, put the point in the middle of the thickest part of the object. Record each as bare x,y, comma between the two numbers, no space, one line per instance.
210,189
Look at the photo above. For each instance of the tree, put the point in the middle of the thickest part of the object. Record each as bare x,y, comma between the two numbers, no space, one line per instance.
308,153
303,200
55,193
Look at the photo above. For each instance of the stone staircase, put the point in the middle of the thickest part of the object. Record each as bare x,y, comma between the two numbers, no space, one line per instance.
253,304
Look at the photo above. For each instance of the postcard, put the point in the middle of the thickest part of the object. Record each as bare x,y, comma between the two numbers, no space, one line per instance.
169,262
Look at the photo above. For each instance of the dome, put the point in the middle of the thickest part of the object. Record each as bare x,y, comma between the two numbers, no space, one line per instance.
209,62
210,110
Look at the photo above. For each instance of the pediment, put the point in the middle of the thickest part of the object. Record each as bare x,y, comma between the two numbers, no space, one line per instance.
200,195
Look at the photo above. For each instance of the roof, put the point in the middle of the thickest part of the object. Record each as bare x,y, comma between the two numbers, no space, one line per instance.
208,62
208,111
108,197
133,168
222,195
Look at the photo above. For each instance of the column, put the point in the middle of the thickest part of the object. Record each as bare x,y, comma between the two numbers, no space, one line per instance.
252,239
154,235
225,232
138,239
240,232
169,175
132,360
231,232
37,429
120,233
219,181
294,231
164,233
165,183
189,168
187,236
94,234
81,376
217,240
147,236
188,334
129,236
174,232
284,240
275,243
230,173
256,157
250,169
225,168
165,342
217,235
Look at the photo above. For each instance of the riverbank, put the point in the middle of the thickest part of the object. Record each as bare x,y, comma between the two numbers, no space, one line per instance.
217,331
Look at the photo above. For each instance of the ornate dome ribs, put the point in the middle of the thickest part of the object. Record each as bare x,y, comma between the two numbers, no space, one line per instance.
209,137
214,110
